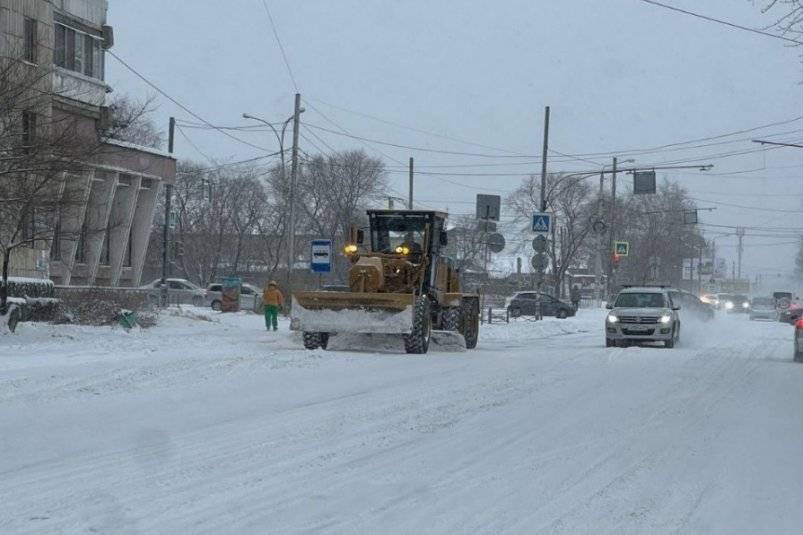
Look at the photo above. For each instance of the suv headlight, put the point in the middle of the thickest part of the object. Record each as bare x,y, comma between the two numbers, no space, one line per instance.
745,305
666,318
612,318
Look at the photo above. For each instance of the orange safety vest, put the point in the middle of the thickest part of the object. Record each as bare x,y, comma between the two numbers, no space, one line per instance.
272,296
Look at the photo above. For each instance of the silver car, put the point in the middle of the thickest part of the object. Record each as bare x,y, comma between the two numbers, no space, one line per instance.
179,291
250,297
642,314
763,308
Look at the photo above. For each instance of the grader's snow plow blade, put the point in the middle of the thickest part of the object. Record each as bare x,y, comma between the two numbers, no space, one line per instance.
352,312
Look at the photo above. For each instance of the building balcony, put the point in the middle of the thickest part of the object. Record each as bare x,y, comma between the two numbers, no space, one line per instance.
76,86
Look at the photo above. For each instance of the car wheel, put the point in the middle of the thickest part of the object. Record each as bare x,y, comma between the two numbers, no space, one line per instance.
515,312
609,342
216,306
669,344
797,357
562,315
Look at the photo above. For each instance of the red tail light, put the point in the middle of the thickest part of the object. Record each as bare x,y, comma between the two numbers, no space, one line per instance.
799,324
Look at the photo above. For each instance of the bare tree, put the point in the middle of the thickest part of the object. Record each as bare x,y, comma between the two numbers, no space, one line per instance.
467,243
41,148
570,198
130,121
335,189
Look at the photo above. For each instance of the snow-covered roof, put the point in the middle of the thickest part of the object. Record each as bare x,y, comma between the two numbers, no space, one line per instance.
134,146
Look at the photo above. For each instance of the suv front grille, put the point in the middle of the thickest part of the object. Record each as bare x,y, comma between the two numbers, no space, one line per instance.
639,319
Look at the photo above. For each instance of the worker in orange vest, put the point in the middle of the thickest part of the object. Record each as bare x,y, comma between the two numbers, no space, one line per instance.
273,300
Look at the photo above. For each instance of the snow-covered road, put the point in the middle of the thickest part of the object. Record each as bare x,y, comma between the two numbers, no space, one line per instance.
219,427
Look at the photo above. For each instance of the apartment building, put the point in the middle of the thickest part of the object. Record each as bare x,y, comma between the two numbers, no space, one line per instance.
104,241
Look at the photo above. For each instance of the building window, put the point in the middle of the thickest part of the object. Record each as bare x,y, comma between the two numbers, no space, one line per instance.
80,252
55,245
78,51
30,40
106,254
28,129
129,250
29,228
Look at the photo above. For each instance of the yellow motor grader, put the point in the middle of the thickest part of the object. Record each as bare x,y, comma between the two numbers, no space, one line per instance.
399,283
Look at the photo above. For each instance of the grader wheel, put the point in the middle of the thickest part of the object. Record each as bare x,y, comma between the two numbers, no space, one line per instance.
417,342
470,321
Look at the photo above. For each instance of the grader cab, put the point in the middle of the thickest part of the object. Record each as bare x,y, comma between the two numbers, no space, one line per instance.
399,283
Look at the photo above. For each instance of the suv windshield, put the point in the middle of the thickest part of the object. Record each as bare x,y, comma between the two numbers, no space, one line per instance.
740,298
640,300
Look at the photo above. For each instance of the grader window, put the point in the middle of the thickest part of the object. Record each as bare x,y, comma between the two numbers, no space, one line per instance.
392,232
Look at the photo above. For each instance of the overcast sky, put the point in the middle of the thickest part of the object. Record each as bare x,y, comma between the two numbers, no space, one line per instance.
619,75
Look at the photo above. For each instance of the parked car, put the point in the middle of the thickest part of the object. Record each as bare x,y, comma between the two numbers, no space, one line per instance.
180,291
250,297
763,308
524,304
642,314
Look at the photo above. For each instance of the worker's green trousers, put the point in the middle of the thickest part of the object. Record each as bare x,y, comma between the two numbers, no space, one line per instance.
272,317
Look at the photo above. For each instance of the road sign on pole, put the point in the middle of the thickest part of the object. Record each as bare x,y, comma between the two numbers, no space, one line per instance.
496,243
540,262
540,244
321,256
542,222
643,182
621,248
489,207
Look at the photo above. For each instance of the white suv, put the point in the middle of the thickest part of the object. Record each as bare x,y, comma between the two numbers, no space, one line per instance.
642,314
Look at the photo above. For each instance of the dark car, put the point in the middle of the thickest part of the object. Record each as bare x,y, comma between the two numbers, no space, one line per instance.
524,304
692,305
741,304
792,312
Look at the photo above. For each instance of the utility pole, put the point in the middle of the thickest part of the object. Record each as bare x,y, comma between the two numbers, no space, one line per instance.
740,235
410,201
543,159
600,238
612,218
544,153
699,274
291,236
166,227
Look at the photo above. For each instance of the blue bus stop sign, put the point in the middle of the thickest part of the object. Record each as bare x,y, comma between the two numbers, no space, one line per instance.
321,256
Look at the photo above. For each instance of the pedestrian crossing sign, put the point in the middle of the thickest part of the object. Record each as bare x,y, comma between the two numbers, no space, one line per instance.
542,222
621,248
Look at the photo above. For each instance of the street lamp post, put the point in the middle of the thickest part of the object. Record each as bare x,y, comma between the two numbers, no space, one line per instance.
291,223
612,216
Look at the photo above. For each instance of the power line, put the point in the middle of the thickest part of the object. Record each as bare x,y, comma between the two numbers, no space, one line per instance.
744,207
191,143
659,148
414,129
412,147
230,164
343,131
179,104
724,22
281,47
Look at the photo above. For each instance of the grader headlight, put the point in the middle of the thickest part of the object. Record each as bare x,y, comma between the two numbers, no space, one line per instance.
401,249
350,249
